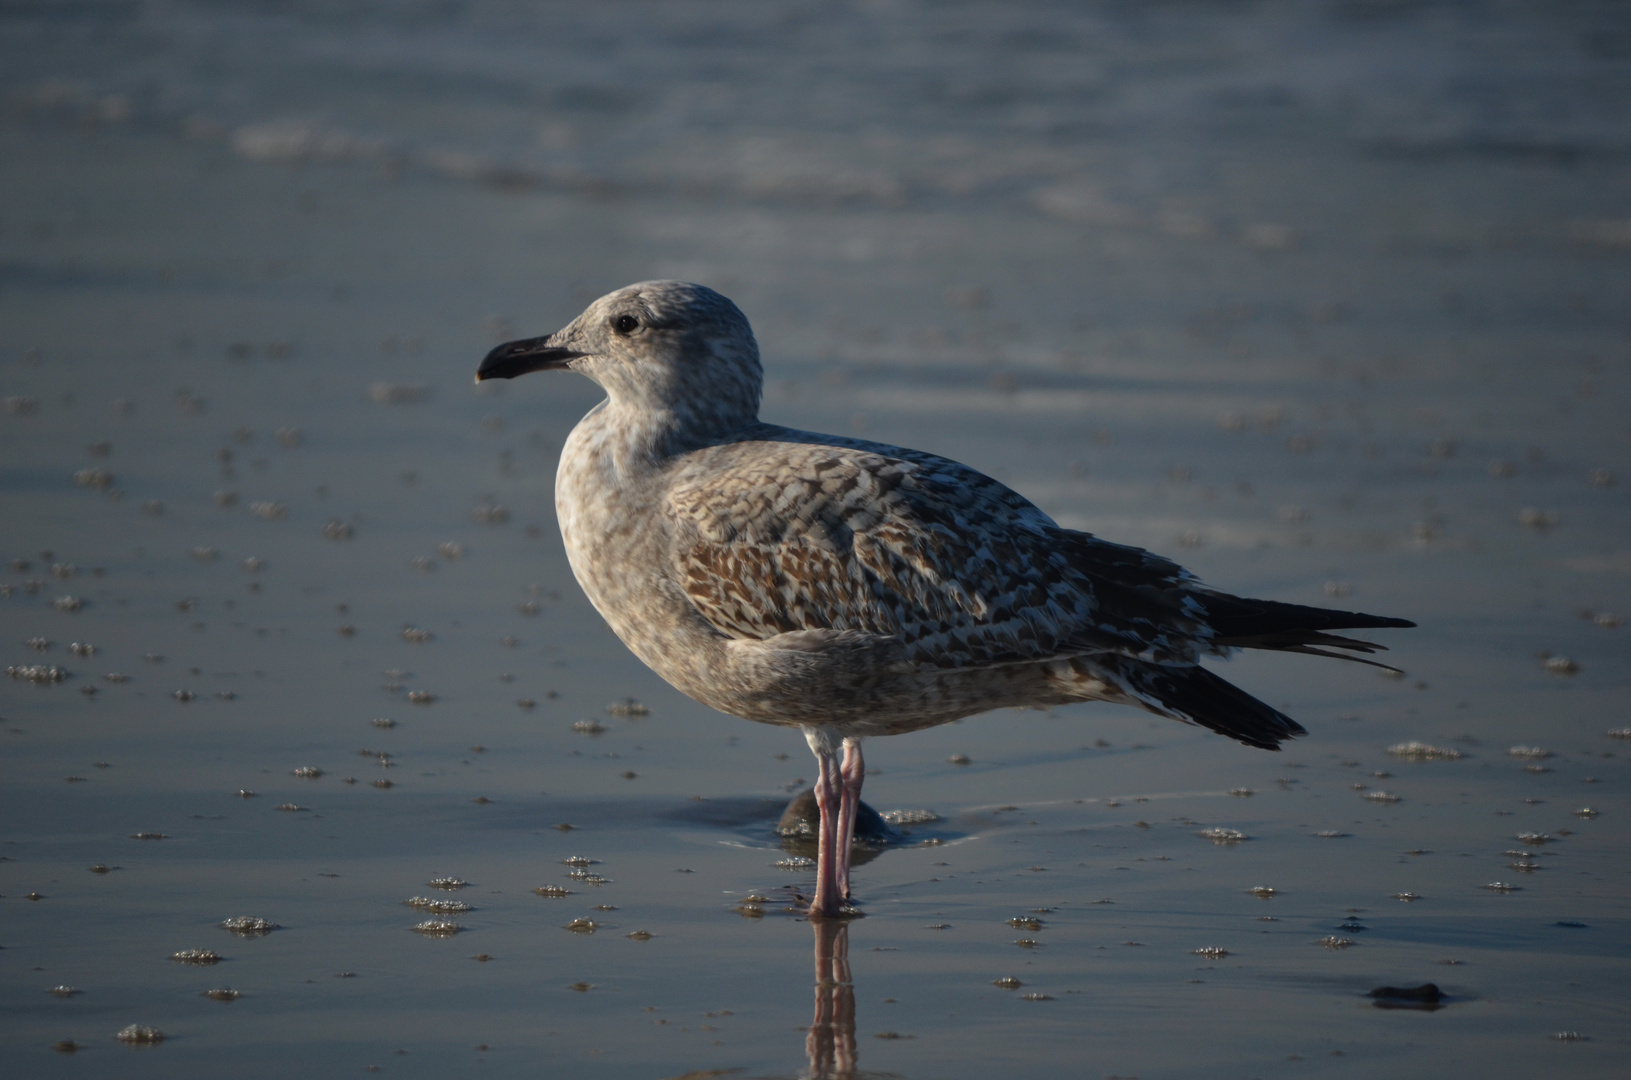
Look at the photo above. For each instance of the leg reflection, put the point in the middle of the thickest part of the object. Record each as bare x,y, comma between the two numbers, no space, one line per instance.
831,1041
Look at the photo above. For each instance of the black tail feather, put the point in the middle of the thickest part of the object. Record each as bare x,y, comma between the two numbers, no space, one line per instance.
1195,694
1268,624
1192,693
1309,651
1239,617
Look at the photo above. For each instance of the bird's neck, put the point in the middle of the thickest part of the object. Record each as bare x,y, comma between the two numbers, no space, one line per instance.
654,432
630,441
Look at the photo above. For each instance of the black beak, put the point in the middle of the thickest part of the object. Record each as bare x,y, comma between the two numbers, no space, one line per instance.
521,357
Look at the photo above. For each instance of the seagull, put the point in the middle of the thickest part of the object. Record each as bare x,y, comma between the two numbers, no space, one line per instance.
851,588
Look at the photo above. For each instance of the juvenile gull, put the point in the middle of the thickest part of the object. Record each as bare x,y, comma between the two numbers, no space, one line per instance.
851,588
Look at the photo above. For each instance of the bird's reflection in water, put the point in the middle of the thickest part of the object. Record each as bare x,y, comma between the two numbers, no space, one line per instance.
830,1043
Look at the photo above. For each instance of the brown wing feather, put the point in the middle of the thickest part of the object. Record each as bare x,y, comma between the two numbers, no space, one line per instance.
957,567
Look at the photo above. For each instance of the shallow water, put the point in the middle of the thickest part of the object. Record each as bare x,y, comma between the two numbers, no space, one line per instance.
1327,301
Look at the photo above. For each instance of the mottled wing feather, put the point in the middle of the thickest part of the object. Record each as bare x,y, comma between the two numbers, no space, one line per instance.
781,535
1146,606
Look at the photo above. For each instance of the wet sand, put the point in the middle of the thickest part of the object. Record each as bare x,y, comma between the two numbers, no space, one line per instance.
1312,301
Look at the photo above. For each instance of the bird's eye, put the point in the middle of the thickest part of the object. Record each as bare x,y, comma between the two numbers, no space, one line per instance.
627,324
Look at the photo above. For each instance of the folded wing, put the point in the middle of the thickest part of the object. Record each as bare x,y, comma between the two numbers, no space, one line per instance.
960,569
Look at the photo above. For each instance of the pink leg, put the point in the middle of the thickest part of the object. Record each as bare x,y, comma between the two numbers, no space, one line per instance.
829,897
852,774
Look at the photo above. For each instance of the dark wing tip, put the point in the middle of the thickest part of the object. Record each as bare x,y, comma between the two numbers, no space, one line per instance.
1268,624
1195,694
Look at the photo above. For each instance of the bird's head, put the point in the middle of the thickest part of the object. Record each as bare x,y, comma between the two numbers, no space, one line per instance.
659,346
